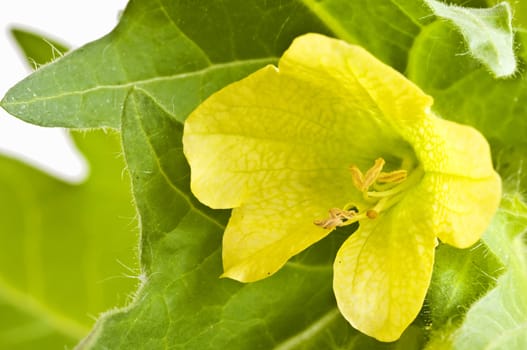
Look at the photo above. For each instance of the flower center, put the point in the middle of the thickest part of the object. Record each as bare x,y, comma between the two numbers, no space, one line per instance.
381,190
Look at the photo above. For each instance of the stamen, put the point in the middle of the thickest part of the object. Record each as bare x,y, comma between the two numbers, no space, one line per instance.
373,173
339,217
381,189
357,177
396,176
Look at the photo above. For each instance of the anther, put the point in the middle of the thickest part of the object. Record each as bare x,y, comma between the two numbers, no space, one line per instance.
363,181
380,190
337,217
373,173
372,214
357,177
396,176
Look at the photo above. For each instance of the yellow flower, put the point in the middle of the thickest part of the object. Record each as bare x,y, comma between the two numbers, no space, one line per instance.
332,129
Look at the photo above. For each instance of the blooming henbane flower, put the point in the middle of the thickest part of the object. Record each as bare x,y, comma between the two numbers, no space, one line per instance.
330,137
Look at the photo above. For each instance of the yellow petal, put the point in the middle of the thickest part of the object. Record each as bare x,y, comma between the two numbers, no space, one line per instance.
460,208
329,105
450,148
372,85
262,236
382,272
460,189
262,131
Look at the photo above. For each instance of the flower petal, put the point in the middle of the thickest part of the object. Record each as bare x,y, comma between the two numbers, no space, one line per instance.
460,208
262,236
446,147
460,189
330,105
382,272
390,96
245,138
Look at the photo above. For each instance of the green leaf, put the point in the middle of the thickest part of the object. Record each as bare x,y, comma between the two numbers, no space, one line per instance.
522,38
182,301
58,267
499,320
181,52
512,165
66,249
465,92
37,49
360,22
461,276
519,12
487,32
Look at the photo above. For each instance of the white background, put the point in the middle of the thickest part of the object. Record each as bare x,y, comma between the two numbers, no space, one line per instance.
72,22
